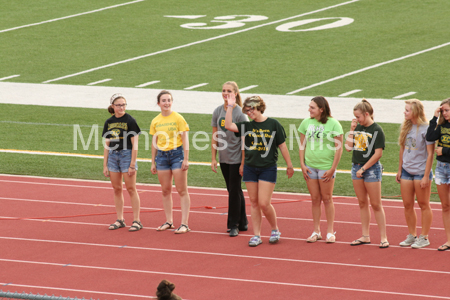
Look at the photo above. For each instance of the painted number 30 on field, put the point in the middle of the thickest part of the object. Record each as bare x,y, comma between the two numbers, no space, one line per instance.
235,21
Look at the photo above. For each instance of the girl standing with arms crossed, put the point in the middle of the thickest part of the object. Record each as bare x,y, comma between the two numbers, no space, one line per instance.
262,136
231,157
321,138
121,133
170,153
366,139
439,130
414,172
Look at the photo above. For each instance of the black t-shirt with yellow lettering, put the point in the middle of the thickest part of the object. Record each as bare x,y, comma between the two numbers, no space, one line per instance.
261,142
115,129
440,133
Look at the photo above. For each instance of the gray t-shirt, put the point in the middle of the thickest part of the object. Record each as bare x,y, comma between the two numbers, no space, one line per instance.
415,153
228,145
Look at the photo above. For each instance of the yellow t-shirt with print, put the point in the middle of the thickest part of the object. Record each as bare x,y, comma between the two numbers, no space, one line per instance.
168,129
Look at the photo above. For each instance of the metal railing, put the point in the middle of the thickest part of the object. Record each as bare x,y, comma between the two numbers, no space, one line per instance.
15,295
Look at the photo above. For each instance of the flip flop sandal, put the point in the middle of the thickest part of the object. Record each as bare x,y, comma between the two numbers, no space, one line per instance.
359,242
384,245
314,237
444,248
182,230
162,228
114,226
331,236
136,226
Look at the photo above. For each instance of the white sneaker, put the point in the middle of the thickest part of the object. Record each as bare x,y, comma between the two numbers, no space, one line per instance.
410,239
420,242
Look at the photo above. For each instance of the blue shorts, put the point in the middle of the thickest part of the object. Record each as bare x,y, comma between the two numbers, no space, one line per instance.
442,174
119,161
169,160
252,174
318,174
407,176
372,174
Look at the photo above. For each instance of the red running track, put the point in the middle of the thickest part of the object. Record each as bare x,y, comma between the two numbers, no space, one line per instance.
54,240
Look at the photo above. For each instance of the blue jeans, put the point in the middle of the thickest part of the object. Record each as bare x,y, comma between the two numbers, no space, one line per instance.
169,160
119,161
252,174
442,174
372,174
408,176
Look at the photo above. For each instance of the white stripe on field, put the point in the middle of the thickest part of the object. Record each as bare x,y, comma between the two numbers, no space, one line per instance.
349,93
45,124
144,159
196,86
71,16
199,42
9,77
247,88
405,95
100,81
369,68
148,83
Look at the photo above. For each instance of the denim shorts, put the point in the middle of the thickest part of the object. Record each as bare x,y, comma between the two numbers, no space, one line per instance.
317,174
169,160
442,173
372,174
407,176
252,174
119,161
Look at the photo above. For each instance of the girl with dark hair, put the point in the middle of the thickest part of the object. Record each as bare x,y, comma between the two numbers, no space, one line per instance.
320,151
170,153
231,157
366,139
121,133
439,130
164,291
262,138
414,172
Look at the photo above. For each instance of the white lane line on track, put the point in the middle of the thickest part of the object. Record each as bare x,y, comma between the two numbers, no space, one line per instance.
71,16
368,68
198,42
74,290
240,279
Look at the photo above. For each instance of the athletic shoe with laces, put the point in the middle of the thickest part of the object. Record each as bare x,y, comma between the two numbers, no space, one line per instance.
410,239
275,236
420,242
255,241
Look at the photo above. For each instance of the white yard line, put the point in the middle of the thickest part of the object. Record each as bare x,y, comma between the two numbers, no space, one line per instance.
405,95
247,88
369,68
71,16
9,77
196,86
100,81
148,83
198,42
349,93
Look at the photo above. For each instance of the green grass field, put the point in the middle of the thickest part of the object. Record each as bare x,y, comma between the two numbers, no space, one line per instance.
51,129
403,44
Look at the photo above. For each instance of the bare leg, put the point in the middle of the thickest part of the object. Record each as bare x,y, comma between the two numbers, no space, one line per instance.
180,177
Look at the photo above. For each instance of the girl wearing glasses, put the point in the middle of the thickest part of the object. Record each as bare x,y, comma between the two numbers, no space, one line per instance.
170,153
231,158
262,138
119,159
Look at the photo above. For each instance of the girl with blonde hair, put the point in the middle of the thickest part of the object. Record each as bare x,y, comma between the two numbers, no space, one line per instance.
367,141
414,172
